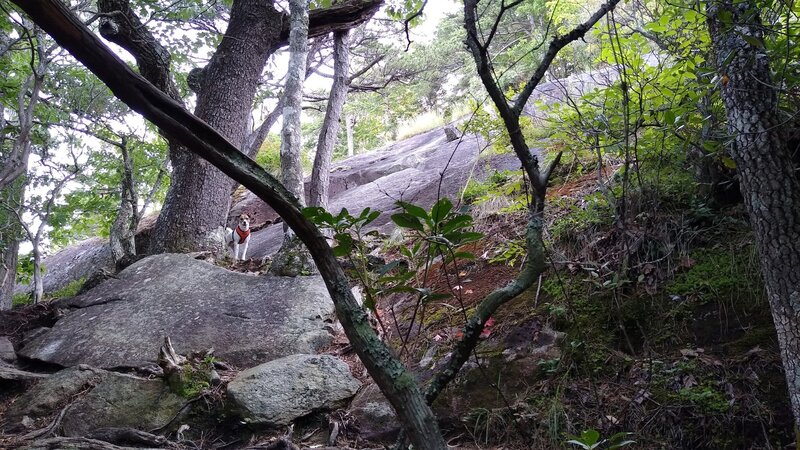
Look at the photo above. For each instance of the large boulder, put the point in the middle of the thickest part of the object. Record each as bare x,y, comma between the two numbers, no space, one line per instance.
77,261
55,392
96,399
280,391
420,170
123,401
247,319
7,353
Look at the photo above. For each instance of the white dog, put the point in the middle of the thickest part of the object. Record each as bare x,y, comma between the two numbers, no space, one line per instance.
239,237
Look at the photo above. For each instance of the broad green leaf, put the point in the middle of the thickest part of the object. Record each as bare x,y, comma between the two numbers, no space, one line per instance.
414,210
440,210
406,220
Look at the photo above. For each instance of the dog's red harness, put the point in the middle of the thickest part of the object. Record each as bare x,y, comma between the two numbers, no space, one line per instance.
243,235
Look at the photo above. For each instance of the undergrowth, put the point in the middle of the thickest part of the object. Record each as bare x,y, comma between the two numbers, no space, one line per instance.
665,319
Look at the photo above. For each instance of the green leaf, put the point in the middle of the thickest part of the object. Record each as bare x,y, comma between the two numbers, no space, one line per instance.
457,222
386,268
345,244
440,210
728,162
471,236
406,220
669,117
414,210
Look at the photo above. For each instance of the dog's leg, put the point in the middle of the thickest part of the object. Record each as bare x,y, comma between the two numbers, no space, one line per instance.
244,250
235,251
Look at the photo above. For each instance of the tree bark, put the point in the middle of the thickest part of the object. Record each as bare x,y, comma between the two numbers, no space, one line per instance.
328,135
198,199
770,188
12,174
291,145
38,286
10,233
399,386
293,259
123,230
350,123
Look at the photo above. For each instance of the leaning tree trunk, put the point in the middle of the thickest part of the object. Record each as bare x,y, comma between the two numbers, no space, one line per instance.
770,188
320,175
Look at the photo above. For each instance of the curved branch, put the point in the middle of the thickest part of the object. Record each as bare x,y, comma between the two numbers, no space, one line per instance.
334,18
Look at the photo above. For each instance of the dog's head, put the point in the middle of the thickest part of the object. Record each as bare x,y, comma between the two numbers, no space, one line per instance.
244,221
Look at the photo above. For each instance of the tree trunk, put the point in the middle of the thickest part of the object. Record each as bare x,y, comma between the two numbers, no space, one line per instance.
320,175
12,174
38,287
293,259
350,122
770,188
291,146
8,272
10,232
123,230
198,198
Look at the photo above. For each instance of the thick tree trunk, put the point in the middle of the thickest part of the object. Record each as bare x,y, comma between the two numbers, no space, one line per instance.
771,190
10,235
10,232
8,272
198,198
320,175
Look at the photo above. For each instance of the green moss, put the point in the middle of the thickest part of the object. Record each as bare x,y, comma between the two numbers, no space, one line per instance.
69,290
21,300
193,380
721,271
706,398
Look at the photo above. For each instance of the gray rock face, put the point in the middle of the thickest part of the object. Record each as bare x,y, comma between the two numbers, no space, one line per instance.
247,319
73,263
54,392
122,401
374,416
278,392
409,170
109,400
7,353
